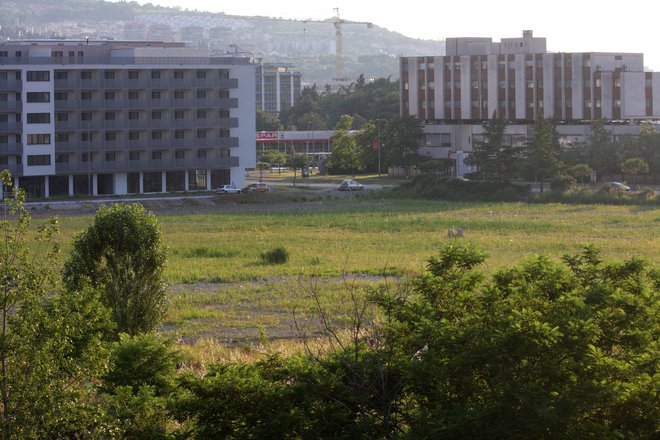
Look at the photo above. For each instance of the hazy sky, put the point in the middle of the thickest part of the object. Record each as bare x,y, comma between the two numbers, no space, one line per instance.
568,25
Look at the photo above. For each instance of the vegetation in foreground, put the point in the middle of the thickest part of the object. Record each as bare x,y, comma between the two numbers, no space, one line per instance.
539,349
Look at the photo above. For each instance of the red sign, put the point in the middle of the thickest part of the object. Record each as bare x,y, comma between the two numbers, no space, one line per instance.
268,135
375,145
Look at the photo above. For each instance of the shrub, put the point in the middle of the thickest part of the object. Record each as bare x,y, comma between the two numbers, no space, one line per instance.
562,183
279,255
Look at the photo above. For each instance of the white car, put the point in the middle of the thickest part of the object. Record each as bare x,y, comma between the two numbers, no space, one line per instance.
229,189
619,185
350,185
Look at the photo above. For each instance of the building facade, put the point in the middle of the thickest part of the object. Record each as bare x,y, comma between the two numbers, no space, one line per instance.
277,87
453,94
107,117
519,79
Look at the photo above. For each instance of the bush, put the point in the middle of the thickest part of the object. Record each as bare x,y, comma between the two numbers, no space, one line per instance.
562,183
279,255
431,186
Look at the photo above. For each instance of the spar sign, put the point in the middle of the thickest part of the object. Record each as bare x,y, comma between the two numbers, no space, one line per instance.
264,136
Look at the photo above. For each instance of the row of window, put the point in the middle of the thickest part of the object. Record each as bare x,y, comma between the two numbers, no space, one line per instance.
110,95
143,74
112,156
201,133
136,115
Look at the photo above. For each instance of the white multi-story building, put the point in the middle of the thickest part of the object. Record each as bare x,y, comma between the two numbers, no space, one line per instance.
277,87
453,94
108,117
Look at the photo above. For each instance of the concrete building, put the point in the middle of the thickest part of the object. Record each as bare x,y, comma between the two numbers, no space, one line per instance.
277,87
517,77
107,117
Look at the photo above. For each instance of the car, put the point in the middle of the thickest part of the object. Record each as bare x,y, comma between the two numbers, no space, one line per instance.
229,189
256,187
619,185
350,185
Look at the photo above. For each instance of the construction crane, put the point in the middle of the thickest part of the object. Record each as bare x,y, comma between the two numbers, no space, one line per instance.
339,62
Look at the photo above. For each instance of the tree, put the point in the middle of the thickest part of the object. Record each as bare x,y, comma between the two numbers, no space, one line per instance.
580,172
262,166
602,153
273,157
635,165
542,350
401,139
50,343
543,151
121,254
495,158
346,152
297,161
268,122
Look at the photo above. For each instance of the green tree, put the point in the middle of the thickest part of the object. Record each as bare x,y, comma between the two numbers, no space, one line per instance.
346,152
50,344
542,157
121,254
635,165
296,162
602,153
401,139
580,172
273,157
495,158
262,166
268,122
541,351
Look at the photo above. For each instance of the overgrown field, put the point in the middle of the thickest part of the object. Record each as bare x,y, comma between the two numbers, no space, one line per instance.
221,288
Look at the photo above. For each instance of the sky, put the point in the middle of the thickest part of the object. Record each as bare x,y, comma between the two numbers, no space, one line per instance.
568,25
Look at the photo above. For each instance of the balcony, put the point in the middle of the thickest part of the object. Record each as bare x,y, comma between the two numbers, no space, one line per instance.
14,168
11,147
11,84
11,106
11,126
142,165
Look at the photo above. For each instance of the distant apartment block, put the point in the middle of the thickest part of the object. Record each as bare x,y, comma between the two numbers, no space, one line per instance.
110,117
277,87
518,78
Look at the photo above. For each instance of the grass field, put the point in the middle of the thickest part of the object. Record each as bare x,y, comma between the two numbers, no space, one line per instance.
220,288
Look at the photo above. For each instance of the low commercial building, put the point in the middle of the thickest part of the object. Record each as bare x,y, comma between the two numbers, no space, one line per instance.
110,117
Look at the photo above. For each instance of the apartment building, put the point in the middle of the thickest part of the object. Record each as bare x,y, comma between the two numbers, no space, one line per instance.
520,79
453,94
277,87
108,117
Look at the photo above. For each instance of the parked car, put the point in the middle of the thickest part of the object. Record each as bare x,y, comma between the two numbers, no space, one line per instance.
229,189
350,185
256,187
619,185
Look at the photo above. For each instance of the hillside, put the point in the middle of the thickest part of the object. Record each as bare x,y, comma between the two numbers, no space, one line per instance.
310,46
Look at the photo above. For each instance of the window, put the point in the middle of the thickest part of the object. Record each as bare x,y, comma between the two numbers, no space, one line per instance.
179,134
38,75
201,114
62,158
224,133
155,74
61,117
61,96
61,137
109,75
201,154
133,155
155,94
224,114
86,116
85,74
178,94
110,136
201,74
201,134
597,82
201,94
110,156
178,74
38,160
156,155
133,94
179,114
617,82
85,95
133,74
156,114
110,116
38,96
133,116
86,157
109,95
179,154
156,135
133,135
85,136
38,139
38,118
223,94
